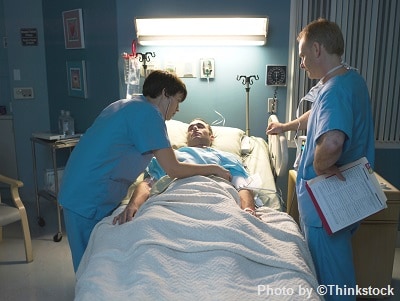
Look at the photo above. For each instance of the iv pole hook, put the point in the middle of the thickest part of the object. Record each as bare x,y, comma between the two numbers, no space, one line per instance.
247,81
144,58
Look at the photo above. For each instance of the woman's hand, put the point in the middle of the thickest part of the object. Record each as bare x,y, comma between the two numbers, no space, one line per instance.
222,173
126,215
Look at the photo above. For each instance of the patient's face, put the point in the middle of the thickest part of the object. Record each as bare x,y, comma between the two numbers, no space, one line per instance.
199,134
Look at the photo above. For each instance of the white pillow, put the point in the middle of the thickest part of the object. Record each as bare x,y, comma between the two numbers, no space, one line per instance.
177,133
227,139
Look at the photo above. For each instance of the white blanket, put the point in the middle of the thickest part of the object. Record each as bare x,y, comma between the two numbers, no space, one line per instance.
193,242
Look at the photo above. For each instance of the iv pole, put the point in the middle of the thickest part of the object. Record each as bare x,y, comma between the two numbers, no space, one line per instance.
144,58
132,70
247,81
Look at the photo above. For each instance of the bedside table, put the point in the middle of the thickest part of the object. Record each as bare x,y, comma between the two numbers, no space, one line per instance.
374,242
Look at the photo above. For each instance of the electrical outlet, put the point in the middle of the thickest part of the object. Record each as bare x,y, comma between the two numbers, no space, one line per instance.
23,93
272,105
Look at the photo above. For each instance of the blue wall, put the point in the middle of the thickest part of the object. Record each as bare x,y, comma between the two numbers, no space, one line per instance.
100,54
4,78
224,93
28,115
109,31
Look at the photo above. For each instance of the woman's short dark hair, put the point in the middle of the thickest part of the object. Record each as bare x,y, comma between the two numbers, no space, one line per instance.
158,80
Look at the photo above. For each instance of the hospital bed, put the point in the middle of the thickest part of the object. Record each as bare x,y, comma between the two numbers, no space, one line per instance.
193,242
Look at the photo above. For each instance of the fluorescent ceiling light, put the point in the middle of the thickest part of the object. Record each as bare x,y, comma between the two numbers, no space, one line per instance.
202,31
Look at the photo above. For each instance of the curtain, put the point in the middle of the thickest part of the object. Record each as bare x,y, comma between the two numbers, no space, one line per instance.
371,33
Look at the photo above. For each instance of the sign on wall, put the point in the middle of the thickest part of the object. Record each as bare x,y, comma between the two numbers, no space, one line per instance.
29,36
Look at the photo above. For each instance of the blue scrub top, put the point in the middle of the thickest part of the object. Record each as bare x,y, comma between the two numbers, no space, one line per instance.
343,103
111,155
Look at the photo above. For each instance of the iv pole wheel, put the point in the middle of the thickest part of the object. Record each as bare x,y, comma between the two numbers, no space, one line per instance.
57,237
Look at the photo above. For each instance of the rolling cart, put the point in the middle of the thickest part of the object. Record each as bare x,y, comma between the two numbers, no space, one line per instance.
48,194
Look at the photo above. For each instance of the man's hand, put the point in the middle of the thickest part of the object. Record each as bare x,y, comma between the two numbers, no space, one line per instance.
139,196
274,128
300,123
333,170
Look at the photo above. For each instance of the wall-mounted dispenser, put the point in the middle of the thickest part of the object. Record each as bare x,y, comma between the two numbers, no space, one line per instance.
207,68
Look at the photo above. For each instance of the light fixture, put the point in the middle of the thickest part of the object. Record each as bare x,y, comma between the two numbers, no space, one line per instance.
199,31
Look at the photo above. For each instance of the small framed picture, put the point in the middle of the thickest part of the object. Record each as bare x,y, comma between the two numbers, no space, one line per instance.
76,77
73,29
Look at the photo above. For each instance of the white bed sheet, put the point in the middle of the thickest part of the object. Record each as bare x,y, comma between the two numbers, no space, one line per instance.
193,242
257,161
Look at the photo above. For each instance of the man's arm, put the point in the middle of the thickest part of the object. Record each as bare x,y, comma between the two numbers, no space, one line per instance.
139,196
327,152
247,201
294,125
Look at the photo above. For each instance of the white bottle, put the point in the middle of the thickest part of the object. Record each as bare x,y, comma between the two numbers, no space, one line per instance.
69,124
61,123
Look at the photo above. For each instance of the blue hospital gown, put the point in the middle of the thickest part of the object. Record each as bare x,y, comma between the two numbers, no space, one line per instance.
206,155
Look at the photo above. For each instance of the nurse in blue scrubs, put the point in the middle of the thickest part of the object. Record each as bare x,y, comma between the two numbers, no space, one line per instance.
340,130
115,150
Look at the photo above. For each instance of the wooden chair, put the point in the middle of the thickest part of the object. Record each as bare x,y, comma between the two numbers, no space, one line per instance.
11,214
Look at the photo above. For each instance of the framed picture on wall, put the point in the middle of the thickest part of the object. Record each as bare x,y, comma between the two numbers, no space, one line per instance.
76,77
73,29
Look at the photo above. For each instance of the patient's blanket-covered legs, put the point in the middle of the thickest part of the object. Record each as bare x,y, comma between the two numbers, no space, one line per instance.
193,242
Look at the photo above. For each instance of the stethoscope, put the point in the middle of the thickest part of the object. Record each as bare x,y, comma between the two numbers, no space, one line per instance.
313,92
166,111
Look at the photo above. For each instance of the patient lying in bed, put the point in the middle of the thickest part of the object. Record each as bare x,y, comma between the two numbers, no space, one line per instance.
199,140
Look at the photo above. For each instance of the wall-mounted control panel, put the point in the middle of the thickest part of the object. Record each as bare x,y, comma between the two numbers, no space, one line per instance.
23,93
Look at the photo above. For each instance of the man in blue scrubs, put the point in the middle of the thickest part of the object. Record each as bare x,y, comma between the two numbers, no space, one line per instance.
115,150
339,130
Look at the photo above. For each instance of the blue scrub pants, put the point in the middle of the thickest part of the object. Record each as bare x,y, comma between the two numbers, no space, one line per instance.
78,229
333,260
